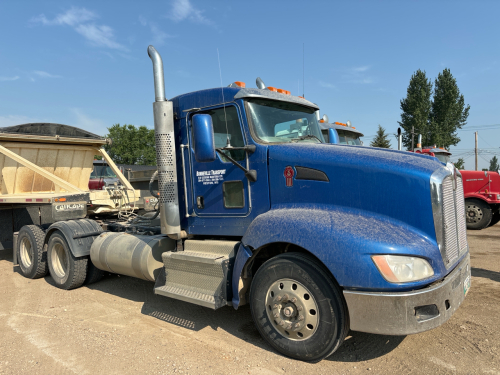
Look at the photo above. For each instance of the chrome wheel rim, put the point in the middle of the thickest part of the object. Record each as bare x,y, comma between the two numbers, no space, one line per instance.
474,214
59,260
26,252
292,309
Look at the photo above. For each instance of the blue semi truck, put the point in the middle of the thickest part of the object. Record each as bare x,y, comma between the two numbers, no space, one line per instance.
255,208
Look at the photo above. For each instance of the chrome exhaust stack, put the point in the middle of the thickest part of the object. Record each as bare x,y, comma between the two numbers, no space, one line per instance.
165,152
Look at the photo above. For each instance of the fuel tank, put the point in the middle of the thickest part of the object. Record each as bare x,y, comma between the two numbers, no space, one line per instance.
132,255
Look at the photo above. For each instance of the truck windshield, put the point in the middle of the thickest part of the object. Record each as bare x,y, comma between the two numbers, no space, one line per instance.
283,122
443,158
102,171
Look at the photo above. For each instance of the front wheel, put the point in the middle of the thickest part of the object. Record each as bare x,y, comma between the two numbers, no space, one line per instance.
478,214
298,308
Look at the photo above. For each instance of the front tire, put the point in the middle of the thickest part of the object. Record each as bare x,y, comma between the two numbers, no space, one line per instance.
298,308
67,271
30,252
478,214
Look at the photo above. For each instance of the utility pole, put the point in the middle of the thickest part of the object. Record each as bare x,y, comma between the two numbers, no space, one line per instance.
475,150
412,134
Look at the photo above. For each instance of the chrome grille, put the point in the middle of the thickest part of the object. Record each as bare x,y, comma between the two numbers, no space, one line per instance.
449,221
461,224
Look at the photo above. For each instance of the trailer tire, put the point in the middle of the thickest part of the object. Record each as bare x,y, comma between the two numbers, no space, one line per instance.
94,274
30,251
478,214
298,308
67,271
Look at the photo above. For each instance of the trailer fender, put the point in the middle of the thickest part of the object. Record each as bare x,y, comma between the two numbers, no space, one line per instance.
79,234
344,240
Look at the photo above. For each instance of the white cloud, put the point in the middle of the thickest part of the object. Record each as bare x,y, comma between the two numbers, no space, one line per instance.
360,69
101,36
82,120
72,17
43,74
159,36
78,19
11,120
326,85
358,75
184,10
14,78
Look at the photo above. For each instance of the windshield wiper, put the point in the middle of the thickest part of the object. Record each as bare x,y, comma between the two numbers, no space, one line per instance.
308,136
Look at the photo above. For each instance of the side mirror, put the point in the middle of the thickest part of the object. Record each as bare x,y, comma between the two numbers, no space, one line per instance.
203,134
333,136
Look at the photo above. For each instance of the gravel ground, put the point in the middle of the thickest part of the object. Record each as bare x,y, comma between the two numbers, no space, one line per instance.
119,326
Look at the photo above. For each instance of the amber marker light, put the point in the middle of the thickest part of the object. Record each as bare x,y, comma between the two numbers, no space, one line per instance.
270,88
240,84
60,199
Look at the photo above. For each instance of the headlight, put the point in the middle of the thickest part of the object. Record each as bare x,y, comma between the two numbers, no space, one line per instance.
402,269
498,197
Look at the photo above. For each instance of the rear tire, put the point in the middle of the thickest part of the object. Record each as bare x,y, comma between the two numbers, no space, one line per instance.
67,271
30,252
297,307
477,213
94,274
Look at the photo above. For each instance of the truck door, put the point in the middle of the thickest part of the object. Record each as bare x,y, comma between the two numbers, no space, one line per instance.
220,188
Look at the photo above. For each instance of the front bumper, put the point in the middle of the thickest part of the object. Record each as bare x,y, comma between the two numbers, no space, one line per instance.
405,313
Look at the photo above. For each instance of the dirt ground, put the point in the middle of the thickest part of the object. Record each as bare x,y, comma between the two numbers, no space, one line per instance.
119,326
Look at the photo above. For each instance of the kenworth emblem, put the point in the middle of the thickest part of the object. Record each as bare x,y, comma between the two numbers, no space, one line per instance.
289,172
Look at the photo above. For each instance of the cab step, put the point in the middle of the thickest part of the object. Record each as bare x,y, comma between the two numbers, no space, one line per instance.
201,274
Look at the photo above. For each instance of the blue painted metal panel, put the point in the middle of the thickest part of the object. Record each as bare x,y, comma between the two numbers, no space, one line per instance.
223,223
392,183
344,240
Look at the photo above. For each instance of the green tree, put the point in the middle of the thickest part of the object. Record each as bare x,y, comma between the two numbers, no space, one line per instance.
448,112
381,139
131,145
460,164
494,164
416,108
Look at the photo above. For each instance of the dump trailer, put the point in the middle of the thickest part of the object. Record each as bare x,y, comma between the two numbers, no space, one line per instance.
316,238
45,171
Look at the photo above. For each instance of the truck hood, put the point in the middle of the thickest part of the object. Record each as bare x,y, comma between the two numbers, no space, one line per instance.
386,183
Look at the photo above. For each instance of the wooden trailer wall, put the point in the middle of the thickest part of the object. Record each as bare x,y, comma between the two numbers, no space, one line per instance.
72,163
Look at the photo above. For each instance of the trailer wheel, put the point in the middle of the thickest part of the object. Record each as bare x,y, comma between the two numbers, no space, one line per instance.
30,252
478,214
67,271
298,308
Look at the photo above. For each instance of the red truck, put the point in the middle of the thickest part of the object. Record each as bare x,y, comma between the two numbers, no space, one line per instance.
481,192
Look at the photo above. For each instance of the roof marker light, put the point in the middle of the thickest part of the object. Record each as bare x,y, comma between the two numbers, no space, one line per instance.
270,88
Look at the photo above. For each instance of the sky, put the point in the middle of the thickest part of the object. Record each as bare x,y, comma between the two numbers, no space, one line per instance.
85,64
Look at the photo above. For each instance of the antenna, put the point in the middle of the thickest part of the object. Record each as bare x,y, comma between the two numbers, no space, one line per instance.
303,74
228,141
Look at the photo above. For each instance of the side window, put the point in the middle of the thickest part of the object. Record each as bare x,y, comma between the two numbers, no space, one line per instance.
233,130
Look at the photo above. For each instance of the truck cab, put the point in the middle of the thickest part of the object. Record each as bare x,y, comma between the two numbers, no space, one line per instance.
348,135
255,208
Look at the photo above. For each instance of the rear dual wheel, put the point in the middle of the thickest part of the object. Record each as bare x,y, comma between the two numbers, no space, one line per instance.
298,308
30,252
67,271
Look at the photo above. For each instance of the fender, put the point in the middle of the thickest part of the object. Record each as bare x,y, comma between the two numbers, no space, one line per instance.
482,197
344,239
79,234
